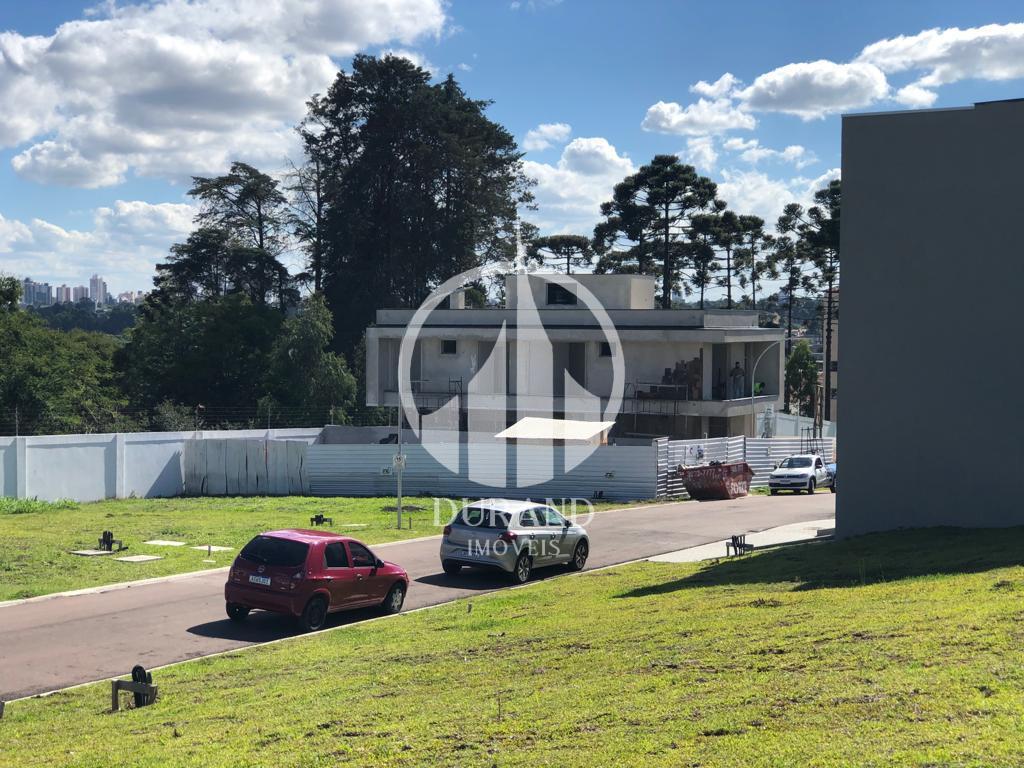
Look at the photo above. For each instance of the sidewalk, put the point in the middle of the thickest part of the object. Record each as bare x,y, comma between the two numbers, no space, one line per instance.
784,534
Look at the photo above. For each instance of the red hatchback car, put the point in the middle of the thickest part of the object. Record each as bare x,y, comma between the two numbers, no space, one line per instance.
309,574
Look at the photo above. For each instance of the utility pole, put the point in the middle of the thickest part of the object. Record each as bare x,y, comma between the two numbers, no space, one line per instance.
399,467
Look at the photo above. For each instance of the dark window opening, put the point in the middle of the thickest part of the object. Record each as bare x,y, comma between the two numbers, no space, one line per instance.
606,349
449,347
557,294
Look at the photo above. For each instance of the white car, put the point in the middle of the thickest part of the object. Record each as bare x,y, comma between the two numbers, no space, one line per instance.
803,472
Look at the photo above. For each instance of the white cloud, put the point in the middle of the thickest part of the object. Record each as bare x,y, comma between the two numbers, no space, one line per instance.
736,144
751,151
991,52
752,191
722,87
177,87
569,193
125,242
915,96
701,117
546,135
817,88
701,153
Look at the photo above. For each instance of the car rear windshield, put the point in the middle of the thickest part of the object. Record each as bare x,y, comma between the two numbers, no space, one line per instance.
795,462
269,550
481,517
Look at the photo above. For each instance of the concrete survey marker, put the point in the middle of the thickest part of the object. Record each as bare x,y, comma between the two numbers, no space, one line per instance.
138,558
213,548
166,543
354,525
91,552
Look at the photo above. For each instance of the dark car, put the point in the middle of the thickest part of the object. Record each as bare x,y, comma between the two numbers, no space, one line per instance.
309,574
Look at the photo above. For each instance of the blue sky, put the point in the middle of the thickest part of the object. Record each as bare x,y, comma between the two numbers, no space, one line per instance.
108,108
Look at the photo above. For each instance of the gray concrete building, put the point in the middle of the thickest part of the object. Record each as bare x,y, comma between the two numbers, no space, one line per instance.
933,264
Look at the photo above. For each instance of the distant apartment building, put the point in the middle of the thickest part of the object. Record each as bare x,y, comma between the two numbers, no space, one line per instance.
62,294
931,204
98,290
483,369
35,294
131,297
79,292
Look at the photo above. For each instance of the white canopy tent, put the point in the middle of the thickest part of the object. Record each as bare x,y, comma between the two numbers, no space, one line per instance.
536,428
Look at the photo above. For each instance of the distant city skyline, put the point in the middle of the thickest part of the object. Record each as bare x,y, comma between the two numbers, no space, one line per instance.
41,293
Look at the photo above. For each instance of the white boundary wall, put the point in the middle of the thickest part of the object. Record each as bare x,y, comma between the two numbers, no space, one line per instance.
107,466
616,472
291,461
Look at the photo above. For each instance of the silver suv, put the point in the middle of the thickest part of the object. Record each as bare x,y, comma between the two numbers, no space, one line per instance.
513,536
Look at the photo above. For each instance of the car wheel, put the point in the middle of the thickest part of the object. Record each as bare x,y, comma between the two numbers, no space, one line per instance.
579,556
521,572
832,487
314,615
452,569
810,486
393,602
237,612
773,491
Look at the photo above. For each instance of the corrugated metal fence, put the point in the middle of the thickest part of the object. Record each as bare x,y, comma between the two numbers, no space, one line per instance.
213,467
618,472
611,471
762,454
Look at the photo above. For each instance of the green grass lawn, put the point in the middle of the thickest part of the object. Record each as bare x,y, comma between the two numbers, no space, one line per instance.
901,649
36,538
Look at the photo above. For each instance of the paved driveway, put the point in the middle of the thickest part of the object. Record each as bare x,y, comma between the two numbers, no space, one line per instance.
64,641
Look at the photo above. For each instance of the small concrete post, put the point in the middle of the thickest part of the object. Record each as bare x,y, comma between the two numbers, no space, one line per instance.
21,468
119,465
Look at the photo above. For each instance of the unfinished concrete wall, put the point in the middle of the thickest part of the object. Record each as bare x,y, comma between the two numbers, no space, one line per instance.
931,253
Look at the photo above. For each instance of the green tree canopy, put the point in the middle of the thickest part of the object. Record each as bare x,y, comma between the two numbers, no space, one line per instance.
648,223
10,293
211,353
54,381
303,376
802,377
419,185
562,251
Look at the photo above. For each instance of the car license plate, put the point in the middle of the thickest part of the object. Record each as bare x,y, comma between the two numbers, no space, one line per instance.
264,580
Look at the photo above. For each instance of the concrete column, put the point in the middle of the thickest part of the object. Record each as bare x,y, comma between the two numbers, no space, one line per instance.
119,466
372,370
707,375
20,468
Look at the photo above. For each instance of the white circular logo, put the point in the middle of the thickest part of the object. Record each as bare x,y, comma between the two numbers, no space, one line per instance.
520,376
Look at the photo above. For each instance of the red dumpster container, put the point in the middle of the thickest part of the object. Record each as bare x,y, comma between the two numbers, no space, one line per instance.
716,481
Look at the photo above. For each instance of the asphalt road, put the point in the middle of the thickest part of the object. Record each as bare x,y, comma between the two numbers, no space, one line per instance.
64,641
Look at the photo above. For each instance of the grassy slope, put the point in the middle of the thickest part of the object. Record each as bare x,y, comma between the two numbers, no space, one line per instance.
885,650
34,546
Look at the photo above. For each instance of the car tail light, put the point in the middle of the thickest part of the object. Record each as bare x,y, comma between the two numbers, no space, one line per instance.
447,530
509,536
